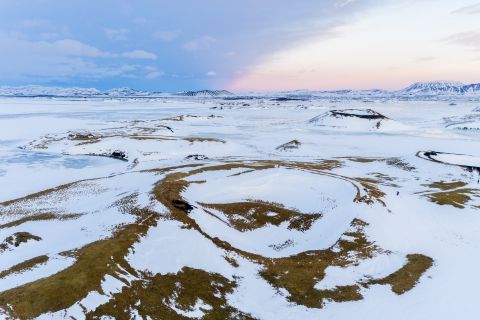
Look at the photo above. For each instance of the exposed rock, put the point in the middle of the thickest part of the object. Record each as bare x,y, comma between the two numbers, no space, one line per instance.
16,239
82,136
294,144
120,155
358,113
196,157
182,205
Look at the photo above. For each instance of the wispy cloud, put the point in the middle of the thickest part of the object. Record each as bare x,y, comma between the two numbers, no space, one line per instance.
470,39
473,9
154,75
36,24
65,59
43,29
116,34
424,59
165,35
139,54
65,47
75,48
211,74
204,42
344,3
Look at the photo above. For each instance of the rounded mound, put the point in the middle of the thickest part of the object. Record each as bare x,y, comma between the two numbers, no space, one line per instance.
356,120
468,162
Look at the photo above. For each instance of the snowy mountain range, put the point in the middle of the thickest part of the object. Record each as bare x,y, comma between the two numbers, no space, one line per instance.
440,87
41,91
75,92
418,90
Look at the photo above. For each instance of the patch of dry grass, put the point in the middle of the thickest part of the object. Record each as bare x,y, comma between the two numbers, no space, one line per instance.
362,160
299,274
452,193
39,217
400,164
24,266
37,195
373,192
251,215
407,277
156,296
203,139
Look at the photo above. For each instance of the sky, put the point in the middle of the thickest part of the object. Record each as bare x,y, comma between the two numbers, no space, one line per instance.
247,45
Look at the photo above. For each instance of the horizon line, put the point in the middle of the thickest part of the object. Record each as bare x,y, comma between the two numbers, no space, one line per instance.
4,86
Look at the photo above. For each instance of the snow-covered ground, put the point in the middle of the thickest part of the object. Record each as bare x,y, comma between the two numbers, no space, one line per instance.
186,207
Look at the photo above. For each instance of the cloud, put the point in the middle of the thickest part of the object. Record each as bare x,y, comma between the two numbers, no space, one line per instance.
36,24
470,39
211,74
424,59
66,47
204,42
154,75
17,42
165,35
116,34
49,68
343,3
71,48
139,54
64,60
42,29
473,9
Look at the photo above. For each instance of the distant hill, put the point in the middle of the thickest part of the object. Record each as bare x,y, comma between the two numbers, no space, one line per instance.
418,90
73,92
440,87
41,91
206,93
124,92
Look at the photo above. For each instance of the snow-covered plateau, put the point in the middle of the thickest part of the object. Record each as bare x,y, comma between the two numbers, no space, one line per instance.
133,205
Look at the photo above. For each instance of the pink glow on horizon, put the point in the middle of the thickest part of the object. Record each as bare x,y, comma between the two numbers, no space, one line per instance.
340,80
381,50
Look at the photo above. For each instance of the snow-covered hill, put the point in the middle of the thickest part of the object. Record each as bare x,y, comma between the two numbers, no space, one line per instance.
124,92
206,93
418,90
434,87
472,88
358,120
41,91
440,88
